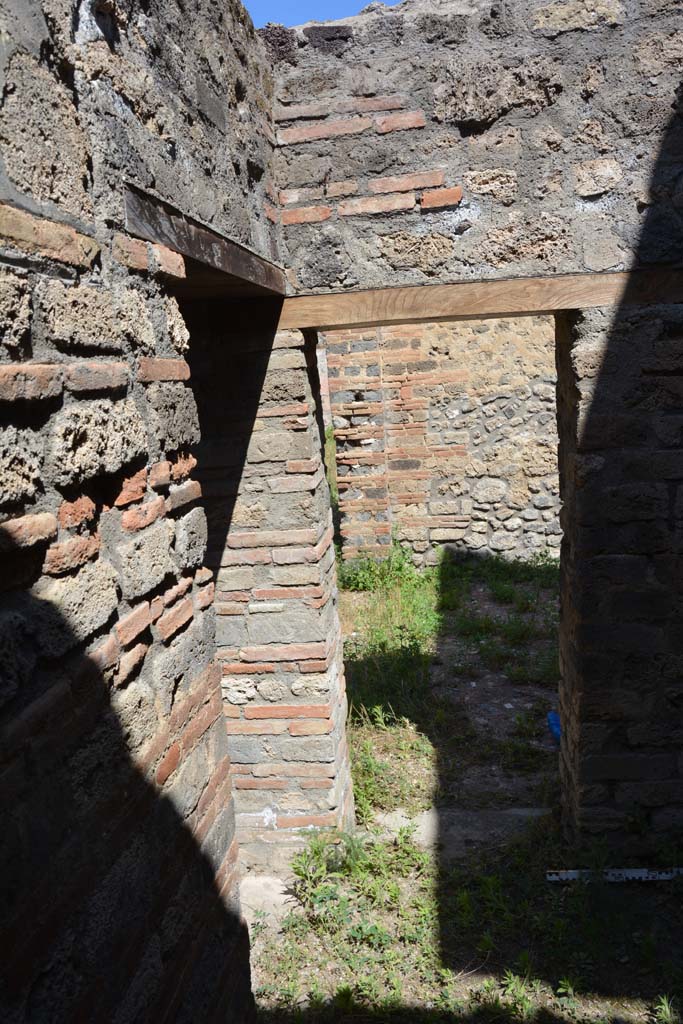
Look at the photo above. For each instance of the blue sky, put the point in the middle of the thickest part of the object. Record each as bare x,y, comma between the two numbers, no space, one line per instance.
295,12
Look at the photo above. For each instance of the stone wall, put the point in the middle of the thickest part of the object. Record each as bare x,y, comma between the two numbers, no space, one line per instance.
446,434
444,142
99,92
119,835
271,548
621,471
120,667
119,857
438,141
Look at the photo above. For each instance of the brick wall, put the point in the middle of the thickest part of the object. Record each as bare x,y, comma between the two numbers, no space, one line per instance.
446,434
621,470
270,540
119,836
119,856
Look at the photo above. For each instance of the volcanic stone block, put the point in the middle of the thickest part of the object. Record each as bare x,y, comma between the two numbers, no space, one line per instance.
478,95
17,653
300,625
20,464
239,690
191,539
94,437
231,630
189,781
82,318
67,611
172,668
15,311
146,559
277,446
45,151
578,15
307,748
174,415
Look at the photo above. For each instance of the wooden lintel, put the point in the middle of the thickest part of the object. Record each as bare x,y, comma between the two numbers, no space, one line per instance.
149,218
474,300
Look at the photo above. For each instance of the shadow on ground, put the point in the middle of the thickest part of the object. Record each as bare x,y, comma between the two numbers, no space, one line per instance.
495,824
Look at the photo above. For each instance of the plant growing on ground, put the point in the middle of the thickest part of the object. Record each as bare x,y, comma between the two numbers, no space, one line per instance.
372,574
664,1011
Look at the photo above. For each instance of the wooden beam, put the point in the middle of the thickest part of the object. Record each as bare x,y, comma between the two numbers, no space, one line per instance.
474,300
149,218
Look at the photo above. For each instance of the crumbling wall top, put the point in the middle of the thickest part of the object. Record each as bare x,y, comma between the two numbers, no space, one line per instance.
450,140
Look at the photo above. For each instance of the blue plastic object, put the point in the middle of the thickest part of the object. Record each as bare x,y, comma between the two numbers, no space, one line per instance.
554,726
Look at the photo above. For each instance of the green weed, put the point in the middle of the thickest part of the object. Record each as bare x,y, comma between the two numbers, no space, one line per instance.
664,1011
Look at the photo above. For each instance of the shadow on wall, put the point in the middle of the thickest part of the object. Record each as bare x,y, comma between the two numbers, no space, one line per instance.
229,353
620,417
113,909
117,895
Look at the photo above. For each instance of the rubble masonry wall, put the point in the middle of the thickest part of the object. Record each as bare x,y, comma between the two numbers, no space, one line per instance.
446,434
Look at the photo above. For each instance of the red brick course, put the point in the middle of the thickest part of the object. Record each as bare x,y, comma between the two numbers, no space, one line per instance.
153,369
263,728
335,189
129,662
25,531
176,591
379,204
306,820
134,488
289,196
96,376
30,381
131,252
130,627
70,554
283,652
160,475
352,105
106,654
271,538
288,711
400,122
74,513
168,764
441,198
323,130
306,215
143,515
46,238
253,668
182,467
407,182
175,619
314,727
167,262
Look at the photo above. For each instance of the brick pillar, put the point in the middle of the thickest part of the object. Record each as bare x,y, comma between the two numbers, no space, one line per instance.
620,413
277,626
